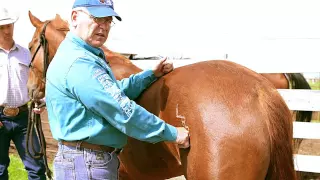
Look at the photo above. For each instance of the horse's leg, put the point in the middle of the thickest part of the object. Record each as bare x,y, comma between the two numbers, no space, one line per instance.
184,160
123,174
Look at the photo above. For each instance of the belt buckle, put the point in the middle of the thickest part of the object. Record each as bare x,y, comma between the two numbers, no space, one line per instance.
10,111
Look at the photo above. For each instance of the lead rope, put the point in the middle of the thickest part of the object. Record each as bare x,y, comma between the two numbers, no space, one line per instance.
34,124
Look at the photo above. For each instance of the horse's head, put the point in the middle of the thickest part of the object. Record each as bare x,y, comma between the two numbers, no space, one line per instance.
46,39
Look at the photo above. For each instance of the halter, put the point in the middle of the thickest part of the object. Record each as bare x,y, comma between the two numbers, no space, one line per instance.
44,44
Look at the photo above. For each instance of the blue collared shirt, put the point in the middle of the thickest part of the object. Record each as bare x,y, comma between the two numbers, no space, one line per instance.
86,102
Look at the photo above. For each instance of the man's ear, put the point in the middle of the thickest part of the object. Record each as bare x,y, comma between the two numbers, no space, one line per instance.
74,18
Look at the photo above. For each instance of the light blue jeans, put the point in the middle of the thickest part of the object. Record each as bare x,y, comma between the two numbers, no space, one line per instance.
73,163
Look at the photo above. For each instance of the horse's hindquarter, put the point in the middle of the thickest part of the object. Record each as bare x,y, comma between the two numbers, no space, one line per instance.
222,105
228,109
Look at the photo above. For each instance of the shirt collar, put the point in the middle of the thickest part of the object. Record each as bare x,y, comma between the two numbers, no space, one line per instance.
76,39
14,47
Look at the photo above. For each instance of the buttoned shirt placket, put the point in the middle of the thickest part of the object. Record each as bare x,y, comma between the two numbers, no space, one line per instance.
11,91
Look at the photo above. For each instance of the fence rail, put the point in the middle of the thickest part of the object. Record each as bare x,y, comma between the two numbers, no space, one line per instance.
302,100
307,100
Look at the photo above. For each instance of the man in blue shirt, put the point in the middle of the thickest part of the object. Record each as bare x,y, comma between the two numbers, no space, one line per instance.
90,112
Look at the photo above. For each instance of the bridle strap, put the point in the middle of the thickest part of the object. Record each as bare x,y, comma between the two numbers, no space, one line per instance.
34,120
44,44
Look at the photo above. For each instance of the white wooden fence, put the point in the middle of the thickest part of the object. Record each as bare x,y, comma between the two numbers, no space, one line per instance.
305,100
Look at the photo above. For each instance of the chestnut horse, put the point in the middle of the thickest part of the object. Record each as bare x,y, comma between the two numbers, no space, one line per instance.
240,127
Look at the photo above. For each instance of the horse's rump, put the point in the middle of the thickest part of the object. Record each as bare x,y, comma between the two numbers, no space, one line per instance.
238,123
236,119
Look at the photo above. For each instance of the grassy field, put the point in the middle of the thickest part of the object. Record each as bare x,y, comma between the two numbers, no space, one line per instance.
16,169
315,86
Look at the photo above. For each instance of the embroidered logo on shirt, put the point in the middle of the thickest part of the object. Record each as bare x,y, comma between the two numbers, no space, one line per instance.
110,87
98,72
105,81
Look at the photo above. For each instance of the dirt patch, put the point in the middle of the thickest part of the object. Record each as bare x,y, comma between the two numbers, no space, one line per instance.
309,147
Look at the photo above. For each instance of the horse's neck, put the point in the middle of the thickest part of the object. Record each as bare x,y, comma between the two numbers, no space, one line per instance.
120,65
54,40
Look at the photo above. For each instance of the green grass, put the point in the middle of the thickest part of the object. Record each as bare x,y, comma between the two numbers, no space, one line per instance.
315,86
17,170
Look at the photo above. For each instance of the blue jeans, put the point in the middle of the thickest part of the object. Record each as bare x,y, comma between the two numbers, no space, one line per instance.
15,129
73,163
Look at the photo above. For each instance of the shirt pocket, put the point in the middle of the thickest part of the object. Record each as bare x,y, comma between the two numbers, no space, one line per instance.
22,70
3,70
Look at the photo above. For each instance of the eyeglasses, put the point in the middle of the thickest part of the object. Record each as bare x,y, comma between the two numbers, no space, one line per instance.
100,20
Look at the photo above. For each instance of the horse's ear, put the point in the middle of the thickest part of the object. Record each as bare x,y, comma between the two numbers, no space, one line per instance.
58,17
34,20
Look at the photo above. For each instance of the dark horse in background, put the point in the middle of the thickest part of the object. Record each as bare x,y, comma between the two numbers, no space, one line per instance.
291,81
240,127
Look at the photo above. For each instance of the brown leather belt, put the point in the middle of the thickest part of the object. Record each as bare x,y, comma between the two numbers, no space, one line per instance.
13,111
87,145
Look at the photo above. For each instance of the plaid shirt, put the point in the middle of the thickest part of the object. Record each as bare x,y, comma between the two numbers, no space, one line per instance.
14,71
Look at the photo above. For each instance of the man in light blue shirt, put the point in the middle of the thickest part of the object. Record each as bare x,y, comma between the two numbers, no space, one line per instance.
89,110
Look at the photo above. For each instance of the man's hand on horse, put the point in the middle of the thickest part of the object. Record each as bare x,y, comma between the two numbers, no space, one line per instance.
162,68
183,138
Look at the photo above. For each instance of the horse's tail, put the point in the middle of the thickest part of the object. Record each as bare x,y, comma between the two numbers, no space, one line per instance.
280,127
298,81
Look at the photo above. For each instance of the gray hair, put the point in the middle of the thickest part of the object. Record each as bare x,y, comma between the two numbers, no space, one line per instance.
77,9
81,9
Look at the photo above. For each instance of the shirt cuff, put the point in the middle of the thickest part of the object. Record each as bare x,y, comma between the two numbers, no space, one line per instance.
170,133
149,74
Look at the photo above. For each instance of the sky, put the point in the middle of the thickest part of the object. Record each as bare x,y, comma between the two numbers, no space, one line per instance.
263,35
